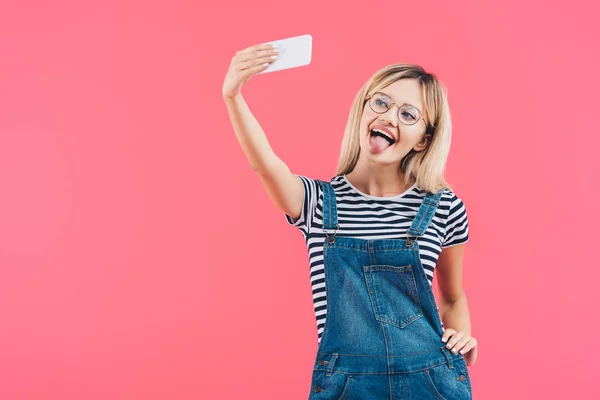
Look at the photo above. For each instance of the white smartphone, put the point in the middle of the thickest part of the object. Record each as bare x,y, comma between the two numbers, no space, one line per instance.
293,52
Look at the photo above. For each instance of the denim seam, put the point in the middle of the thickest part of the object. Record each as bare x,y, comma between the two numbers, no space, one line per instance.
372,356
341,246
432,387
337,371
331,363
387,352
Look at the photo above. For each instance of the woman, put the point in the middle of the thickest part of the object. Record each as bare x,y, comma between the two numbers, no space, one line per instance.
375,233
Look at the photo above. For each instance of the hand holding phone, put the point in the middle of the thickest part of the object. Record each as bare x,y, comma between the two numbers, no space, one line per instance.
245,64
293,52
261,58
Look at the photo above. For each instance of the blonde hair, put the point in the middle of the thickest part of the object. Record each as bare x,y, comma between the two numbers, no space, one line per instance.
425,167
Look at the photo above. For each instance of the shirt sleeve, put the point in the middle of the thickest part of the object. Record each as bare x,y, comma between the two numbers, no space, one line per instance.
457,224
311,195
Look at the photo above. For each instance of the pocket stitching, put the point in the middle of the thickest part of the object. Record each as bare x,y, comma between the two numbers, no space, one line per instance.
413,289
432,385
347,385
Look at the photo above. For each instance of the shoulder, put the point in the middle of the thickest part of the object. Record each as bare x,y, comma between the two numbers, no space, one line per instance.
337,181
450,204
450,197
313,186
457,223
453,206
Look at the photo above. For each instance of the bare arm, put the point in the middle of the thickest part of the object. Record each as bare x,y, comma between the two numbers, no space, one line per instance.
284,188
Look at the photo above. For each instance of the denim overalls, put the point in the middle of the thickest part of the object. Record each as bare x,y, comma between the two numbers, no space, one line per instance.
382,335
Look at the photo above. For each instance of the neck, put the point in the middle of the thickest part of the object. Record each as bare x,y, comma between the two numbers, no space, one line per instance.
379,181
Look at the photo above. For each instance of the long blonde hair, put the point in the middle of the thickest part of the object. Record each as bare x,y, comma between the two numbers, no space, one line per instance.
425,167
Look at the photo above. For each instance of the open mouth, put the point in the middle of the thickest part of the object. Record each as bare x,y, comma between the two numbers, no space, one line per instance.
377,132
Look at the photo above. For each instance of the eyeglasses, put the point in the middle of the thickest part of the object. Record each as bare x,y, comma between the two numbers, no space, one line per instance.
408,115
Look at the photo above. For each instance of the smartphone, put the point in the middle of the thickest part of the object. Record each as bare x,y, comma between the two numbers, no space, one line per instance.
294,52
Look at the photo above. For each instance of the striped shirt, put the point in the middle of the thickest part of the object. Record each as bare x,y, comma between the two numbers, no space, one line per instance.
368,217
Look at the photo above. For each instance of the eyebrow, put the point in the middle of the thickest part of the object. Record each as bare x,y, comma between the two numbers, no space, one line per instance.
402,104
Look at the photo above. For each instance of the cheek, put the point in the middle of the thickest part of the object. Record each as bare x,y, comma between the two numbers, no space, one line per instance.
408,140
366,122
410,136
364,129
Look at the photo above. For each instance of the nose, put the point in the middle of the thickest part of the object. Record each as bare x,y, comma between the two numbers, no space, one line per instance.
391,114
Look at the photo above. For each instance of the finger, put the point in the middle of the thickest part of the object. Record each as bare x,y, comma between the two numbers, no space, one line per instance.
252,63
455,338
447,334
256,47
262,46
470,345
459,344
254,70
255,52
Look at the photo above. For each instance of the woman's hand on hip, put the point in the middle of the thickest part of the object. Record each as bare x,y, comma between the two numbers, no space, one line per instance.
460,341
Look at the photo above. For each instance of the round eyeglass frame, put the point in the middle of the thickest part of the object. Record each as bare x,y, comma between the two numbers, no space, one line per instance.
368,98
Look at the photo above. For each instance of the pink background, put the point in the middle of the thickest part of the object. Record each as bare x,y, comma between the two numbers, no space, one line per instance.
140,257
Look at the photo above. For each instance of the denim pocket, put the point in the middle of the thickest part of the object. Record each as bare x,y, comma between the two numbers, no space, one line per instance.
393,294
334,387
449,383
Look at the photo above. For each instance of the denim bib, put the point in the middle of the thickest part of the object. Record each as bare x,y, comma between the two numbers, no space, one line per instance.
382,336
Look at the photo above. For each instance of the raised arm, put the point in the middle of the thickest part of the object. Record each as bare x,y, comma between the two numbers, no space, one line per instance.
284,188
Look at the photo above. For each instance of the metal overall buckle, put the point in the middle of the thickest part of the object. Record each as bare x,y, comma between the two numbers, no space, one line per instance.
410,241
332,238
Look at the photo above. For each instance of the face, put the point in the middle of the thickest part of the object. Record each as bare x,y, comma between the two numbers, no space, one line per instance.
405,138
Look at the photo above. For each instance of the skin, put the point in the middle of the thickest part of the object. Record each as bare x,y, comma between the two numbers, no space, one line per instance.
454,309
378,174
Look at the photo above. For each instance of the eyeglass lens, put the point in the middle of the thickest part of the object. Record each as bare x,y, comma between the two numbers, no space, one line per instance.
380,103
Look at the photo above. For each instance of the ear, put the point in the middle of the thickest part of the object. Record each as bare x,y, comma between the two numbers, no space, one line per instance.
422,145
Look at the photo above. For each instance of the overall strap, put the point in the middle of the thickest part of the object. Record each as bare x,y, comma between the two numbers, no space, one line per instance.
424,216
330,221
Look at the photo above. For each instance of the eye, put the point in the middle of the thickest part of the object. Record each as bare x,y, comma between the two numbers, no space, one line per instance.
380,103
408,115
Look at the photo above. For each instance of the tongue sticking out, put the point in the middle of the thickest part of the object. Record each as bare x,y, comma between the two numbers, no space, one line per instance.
378,144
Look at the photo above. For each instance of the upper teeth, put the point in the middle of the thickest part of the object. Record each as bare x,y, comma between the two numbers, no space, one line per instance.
385,134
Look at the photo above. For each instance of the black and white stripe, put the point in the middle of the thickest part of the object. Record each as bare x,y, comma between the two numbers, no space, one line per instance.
368,217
